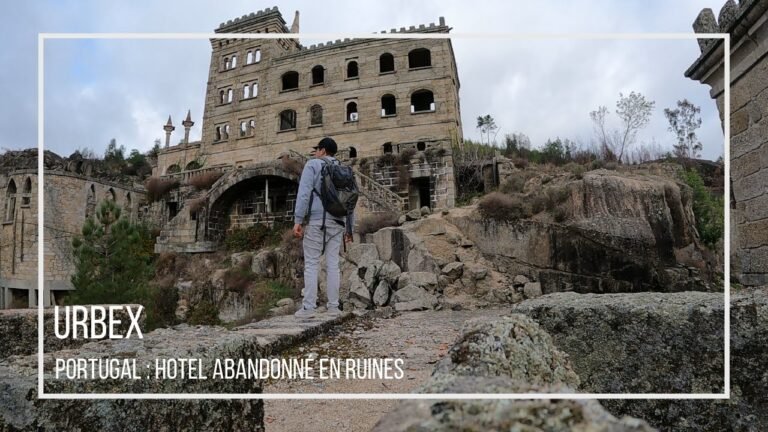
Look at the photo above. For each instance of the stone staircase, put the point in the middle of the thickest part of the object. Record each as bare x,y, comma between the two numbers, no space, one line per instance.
371,189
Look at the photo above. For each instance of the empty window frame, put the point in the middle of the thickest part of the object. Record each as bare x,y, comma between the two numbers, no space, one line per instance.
315,115
352,70
290,80
386,148
352,115
419,58
422,101
388,105
230,95
26,193
386,63
246,91
10,201
318,75
287,120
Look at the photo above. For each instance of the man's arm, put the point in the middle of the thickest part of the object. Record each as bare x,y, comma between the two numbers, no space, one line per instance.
306,184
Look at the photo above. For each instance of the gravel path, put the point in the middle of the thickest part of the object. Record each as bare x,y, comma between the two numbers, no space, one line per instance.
419,338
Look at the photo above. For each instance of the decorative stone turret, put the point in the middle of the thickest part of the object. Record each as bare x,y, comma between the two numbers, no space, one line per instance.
295,25
187,123
168,128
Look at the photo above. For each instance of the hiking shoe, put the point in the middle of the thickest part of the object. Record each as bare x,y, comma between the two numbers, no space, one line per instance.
304,313
334,311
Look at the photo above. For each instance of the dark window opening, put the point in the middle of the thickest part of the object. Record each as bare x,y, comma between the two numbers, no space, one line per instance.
193,165
287,120
386,63
421,146
318,75
290,80
25,200
316,115
218,133
420,57
352,152
173,169
387,147
352,71
419,193
10,201
173,209
422,100
388,106
352,111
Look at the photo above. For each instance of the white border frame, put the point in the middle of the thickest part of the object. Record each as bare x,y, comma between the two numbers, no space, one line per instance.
42,37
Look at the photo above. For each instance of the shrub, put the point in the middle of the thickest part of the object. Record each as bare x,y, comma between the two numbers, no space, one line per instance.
576,169
292,166
238,279
253,237
611,165
158,188
403,177
513,184
374,222
597,164
203,312
520,163
205,180
560,214
196,204
538,203
503,207
707,209
165,263
388,159
405,156
164,299
556,196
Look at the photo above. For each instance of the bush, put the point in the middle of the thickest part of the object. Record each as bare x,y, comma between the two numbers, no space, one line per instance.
513,184
388,159
707,209
238,279
560,214
520,163
556,196
292,166
203,312
165,263
406,156
164,299
196,204
611,166
253,238
158,188
503,207
597,164
576,169
374,222
205,180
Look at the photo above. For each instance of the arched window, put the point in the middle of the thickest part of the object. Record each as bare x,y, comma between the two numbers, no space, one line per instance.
418,58
218,134
388,106
10,201
90,203
26,191
316,115
387,147
386,63
226,63
421,146
287,120
290,80
255,89
251,126
249,58
243,128
352,111
234,61
246,91
352,71
173,169
422,101
222,97
193,166
225,131
318,75
111,195
352,152
257,56
229,95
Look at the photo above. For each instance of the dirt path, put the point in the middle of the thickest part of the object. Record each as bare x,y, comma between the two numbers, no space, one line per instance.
419,338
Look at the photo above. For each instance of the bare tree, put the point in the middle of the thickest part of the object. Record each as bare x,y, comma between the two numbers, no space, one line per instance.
683,121
634,111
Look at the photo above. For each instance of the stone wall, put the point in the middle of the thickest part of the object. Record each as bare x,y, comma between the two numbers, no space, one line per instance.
747,24
68,197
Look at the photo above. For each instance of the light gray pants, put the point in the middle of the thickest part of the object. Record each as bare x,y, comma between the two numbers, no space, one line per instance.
313,246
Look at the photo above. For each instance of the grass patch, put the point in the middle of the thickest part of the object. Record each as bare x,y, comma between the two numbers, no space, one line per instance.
254,237
503,207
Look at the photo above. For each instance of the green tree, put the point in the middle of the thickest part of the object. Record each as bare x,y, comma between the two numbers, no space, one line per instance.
634,112
112,261
487,126
683,121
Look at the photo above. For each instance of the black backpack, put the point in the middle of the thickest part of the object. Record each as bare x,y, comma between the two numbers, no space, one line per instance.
338,192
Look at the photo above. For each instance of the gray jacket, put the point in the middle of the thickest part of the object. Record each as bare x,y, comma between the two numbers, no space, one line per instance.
310,180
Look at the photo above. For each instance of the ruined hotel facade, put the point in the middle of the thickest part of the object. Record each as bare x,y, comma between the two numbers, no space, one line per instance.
272,99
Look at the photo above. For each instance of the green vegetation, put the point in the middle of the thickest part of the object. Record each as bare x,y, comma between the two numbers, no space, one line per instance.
254,237
707,208
113,265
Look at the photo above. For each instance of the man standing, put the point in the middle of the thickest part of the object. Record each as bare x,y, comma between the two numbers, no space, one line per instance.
316,238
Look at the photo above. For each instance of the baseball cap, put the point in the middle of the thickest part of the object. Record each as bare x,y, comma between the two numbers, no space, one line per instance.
328,144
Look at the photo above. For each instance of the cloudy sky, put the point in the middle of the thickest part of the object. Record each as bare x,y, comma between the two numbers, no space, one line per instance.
96,90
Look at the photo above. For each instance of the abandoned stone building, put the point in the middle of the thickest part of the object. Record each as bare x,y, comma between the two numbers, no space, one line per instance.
748,27
273,99
71,193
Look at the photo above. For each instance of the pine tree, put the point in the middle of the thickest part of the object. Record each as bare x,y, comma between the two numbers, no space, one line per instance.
112,262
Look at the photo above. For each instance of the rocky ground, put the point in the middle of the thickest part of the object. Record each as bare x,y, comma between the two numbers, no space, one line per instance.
421,339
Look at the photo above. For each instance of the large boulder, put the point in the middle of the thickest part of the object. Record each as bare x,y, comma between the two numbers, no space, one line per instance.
241,259
424,280
264,264
381,293
362,253
412,298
